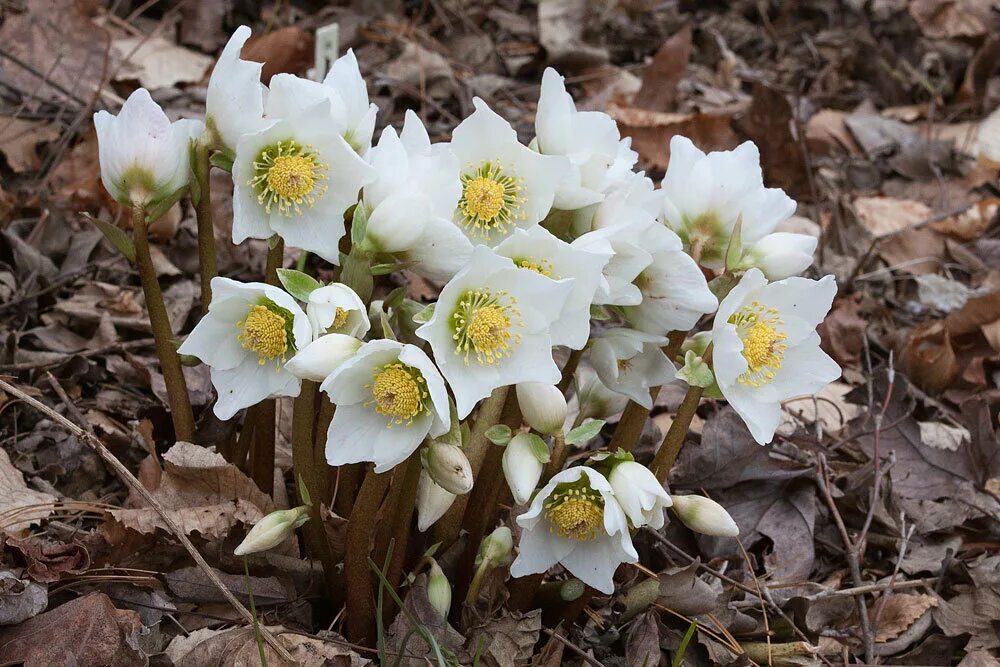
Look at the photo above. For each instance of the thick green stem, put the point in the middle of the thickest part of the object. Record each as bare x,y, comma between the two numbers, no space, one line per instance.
401,521
207,267
674,439
358,576
262,455
170,363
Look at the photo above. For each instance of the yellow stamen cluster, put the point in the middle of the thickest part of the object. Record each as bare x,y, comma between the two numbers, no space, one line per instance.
491,199
339,318
288,176
263,332
576,512
542,266
764,349
398,392
484,323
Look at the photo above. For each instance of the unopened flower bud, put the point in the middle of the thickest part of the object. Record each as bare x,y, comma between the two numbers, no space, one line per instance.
522,467
398,221
496,547
704,515
438,590
782,254
543,406
432,501
639,493
449,466
272,530
317,360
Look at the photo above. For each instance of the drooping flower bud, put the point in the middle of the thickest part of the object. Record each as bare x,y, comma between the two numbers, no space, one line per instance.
438,590
272,530
782,254
322,356
448,465
639,493
543,406
495,548
704,515
432,501
522,467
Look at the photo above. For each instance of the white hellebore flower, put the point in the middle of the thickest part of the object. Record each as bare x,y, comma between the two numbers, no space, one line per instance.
449,467
272,530
630,362
537,249
323,356
766,349
505,184
490,327
296,178
234,105
543,406
432,501
704,515
411,201
575,520
336,308
389,397
144,157
640,494
249,332
521,467
782,254
593,399
705,195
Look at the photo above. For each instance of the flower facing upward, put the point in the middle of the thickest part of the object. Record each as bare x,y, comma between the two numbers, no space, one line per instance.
389,397
490,327
575,520
766,349
249,332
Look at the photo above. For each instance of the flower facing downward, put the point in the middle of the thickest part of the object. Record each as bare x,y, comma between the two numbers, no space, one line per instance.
704,515
490,327
576,521
766,349
234,105
389,397
432,501
543,406
449,467
323,356
249,332
640,494
272,530
335,308
144,157
521,467
630,362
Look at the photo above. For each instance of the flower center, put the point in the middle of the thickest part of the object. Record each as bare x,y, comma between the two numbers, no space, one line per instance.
576,512
264,332
491,200
339,318
288,176
398,392
542,266
763,342
484,322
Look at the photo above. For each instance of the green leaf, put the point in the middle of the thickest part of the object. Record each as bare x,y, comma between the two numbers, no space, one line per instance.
722,285
735,250
599,313
466,433
454,434
223,160
359,224
358,276
695,371
387,331
499,434
584,432
298,284
424,315
383,269
394,298
304,492
538,448
119,237
156,209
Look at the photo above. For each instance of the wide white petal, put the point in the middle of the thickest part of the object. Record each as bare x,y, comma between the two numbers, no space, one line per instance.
359,433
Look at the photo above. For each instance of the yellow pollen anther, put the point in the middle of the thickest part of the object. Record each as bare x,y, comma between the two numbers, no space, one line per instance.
542,266
264,333
339,318
482,198
398,392
577,513
763,342
291,176
491,199
485,323
288,176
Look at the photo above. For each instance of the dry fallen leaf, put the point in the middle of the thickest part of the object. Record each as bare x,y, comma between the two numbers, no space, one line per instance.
943,436
661,76
20,599
20,507
156,62
651,131
900,612
18,139
928,358
288,49
942,19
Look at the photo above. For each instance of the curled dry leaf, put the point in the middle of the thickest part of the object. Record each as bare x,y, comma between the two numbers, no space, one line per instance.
651,131
237,647
20,507
48,560
928,358
20,599
156,62
18,139
507,640
899,612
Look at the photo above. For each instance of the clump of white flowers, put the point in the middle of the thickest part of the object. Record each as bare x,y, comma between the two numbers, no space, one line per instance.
554,243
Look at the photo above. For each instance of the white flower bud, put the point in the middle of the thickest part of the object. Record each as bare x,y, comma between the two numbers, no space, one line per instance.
398,221
521,467
496,548
438,590
322,356
432,501
272,530
782,254
449,466
543,406
639,493
704,515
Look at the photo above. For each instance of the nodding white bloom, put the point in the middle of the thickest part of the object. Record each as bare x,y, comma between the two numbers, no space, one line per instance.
576,521
234,105
703,196
593,399
296,178
336,308
411,201
674,291
449,467
144,157
543,406
505,184
389,397
350,113
782,254
766,349
490,327
537,249
272,530
628,260
432,501
249,332
589,139
521,467
323,356
630,362
639,493
704,515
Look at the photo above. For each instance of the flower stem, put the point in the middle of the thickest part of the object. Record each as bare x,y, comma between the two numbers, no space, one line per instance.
560,450
170,363
358,577
253,610
207,267
674,439
262,454
569,369
401,521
